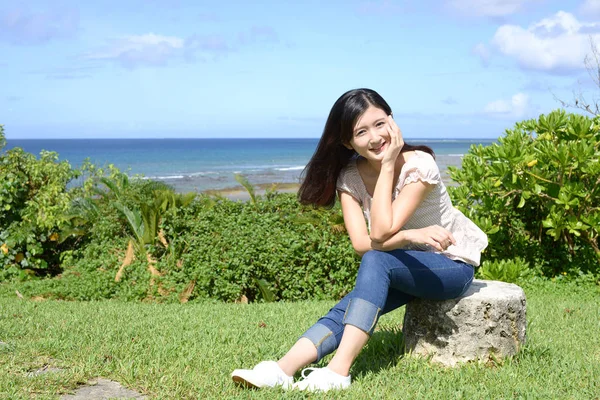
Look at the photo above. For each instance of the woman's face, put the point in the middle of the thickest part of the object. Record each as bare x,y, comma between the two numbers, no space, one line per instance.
370,137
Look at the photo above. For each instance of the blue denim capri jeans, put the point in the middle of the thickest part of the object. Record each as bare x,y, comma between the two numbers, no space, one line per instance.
387,280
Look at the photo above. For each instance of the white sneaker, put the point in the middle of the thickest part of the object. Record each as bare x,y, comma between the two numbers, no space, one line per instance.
265,374
322,379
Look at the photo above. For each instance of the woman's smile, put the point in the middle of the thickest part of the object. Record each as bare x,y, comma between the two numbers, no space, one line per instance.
379,148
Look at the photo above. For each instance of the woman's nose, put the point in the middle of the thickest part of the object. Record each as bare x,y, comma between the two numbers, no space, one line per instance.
375,137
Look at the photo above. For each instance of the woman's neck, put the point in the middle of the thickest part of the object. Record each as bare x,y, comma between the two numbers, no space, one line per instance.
374,167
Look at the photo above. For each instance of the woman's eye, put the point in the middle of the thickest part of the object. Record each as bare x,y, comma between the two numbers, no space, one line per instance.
359,133
379,124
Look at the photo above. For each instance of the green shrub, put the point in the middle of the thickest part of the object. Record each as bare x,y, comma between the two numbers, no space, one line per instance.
511,271
537,193
227,246
43,213
33,200
270,249
89,274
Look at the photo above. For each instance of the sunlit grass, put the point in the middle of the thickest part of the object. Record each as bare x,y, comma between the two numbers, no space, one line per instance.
188,351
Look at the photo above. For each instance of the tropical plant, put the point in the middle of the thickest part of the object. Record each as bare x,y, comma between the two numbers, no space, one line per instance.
511,271
2,137
242,180
536,193
143,212
33,201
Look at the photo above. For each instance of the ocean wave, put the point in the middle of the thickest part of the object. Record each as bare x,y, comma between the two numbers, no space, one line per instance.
185,176
298,168
203,173
164,178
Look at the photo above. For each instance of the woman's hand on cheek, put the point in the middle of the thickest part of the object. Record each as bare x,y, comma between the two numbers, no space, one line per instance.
396,141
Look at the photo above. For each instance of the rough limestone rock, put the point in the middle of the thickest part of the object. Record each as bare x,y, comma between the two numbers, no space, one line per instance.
103,389
488,321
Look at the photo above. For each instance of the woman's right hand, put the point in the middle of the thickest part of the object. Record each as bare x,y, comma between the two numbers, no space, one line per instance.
435,236
396,141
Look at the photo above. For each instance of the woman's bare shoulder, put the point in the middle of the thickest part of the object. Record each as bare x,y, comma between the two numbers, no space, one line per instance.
408,155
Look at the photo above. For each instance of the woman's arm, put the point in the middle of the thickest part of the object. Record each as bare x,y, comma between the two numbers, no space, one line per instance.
400,211
388,217
354,220
381,206
435,236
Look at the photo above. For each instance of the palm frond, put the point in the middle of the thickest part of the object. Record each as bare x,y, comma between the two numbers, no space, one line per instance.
111,185
263,288
151,219
85,208
242,180
149,186
186,199
136,223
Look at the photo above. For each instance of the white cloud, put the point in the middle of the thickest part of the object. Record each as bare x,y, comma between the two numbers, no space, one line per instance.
517,106
488,8
135,50
555,44
158,50
590,8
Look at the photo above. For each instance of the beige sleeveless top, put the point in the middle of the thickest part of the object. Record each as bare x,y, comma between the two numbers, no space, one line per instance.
436,208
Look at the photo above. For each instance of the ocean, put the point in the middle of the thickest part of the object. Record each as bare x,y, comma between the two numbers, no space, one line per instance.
211,164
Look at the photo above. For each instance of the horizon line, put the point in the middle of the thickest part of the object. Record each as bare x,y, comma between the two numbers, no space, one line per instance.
230,138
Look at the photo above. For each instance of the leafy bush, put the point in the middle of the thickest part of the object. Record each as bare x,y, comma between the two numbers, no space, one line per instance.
226,247
42,214
33,200
89,274
537,193
269,249
511,271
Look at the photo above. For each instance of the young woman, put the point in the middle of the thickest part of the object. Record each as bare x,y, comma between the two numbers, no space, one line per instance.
413,242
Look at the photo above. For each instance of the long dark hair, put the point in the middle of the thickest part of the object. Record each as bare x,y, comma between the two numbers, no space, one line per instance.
321,173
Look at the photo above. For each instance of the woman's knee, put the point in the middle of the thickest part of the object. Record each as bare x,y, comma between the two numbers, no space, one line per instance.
373,266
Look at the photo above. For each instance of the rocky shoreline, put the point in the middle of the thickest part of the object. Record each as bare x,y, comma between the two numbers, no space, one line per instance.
240,193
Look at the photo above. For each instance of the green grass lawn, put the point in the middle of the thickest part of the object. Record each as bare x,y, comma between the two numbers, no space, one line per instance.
172,351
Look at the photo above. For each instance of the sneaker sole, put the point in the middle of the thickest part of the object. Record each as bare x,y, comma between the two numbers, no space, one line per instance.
246,382
243,382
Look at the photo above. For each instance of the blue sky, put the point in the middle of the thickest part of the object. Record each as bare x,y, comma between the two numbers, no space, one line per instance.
180,68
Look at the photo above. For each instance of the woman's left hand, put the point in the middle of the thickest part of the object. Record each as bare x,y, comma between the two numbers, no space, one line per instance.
396,141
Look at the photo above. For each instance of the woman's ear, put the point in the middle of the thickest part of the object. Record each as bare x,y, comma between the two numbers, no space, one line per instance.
348,146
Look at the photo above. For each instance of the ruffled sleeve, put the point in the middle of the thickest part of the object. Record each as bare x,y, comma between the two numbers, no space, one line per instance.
420,168
347,182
